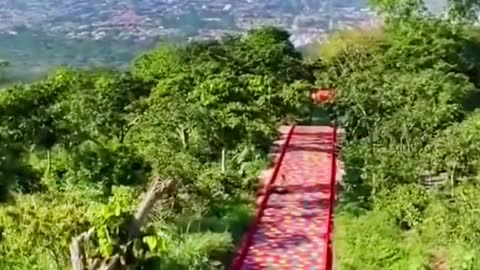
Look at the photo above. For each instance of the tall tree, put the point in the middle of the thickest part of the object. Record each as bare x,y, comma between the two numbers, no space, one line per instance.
456,10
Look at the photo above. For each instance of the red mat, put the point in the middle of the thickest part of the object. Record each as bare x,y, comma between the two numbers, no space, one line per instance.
291,232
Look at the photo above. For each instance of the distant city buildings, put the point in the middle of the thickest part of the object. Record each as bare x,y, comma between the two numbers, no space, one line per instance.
307,20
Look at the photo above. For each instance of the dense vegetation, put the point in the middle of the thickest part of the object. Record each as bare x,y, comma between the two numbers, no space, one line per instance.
408,98
79,148
82,153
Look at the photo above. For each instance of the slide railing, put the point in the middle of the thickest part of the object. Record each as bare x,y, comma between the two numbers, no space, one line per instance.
238,261
331,204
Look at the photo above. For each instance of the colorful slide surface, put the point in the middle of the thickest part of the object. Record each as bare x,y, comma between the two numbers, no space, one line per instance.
293,229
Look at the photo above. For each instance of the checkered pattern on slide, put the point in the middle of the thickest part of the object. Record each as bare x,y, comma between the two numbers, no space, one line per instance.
291,233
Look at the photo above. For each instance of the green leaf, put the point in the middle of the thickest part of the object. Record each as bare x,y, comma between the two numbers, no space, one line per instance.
151,241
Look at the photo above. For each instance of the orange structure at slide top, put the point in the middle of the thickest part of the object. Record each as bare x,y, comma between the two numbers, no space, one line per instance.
323,96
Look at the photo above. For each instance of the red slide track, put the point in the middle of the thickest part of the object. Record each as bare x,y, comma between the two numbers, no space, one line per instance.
293,230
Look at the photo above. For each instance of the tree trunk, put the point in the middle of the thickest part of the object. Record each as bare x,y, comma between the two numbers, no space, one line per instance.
183,137
76,255
157,188
49,163
77,251
224,150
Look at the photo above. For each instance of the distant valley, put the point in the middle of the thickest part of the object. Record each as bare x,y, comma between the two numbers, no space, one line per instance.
36,35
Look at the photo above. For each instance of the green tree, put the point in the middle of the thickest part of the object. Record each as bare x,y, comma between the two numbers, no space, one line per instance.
463,11
458,11
200,115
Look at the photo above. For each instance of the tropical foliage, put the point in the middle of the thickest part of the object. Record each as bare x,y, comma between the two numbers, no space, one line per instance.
155,167
79,148
407,95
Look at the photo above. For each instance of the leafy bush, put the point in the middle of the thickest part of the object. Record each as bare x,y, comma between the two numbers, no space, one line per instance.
440,232
405,101
374,241
109,165
350,42
456,149
201,116
37,229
